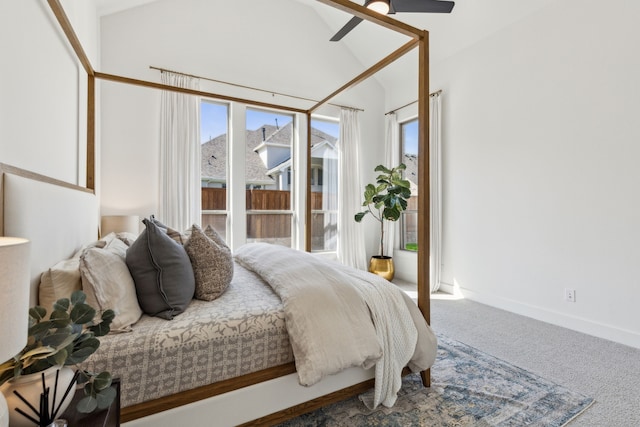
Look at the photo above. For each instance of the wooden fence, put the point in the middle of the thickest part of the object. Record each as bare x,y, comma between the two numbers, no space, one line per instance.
260,226
278,225
215,199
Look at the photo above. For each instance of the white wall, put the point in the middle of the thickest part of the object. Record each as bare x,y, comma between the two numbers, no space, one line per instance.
43,87
541,141
218,40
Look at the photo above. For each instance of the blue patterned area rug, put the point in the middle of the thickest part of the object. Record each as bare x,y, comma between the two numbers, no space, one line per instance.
468,388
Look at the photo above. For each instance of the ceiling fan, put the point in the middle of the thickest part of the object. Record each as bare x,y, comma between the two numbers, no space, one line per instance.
392,6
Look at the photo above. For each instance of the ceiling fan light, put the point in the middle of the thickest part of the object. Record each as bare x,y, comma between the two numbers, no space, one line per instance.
380,6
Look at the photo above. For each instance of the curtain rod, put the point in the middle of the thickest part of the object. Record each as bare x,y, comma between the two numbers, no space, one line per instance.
432,94
162,70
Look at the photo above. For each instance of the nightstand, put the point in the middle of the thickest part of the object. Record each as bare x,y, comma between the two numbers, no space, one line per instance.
109,417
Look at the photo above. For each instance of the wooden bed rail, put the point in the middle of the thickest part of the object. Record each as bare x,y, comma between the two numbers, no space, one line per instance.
155,406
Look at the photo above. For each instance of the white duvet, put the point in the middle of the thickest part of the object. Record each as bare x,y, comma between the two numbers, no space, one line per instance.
338,317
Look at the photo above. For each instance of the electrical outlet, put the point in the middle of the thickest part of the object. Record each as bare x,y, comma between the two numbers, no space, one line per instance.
570,295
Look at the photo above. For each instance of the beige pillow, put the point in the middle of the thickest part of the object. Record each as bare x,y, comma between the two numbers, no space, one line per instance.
108,284
127,237
61,280
212,262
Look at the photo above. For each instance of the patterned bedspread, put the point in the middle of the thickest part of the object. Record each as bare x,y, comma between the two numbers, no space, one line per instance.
241,332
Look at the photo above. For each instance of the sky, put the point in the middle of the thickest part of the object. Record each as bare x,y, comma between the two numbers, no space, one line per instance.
214,121
410,137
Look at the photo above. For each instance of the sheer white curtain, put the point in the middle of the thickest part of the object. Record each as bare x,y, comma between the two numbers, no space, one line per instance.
392,159
180,193
435,167
351,249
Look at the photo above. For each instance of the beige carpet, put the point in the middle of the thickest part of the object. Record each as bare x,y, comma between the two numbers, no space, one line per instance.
607,371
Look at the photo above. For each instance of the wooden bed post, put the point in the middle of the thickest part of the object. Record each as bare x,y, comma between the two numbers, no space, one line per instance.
307,215
424,216
91,132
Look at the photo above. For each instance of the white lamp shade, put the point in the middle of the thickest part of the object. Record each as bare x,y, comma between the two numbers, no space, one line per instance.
119,224
14,288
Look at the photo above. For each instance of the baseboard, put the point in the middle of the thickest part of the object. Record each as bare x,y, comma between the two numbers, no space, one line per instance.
586,326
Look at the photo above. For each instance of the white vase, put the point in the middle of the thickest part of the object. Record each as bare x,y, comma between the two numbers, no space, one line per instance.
30,387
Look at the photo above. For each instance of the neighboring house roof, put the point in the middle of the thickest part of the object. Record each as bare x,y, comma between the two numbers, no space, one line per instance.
214,152
411,173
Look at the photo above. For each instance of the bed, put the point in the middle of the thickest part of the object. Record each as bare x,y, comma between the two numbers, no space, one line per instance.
225,352
261,396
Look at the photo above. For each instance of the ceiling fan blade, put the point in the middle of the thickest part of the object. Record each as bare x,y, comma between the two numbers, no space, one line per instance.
424,6
347,27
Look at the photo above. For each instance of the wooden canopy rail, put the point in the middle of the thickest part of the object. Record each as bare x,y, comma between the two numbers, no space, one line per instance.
302,98
422,41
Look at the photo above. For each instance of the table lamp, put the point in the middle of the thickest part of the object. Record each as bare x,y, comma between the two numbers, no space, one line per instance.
14,313
119,224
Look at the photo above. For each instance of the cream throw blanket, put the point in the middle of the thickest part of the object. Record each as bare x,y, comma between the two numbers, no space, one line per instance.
338,317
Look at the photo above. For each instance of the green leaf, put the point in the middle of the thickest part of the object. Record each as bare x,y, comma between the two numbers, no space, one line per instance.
369,193
108,315
106,397
59,358
87,404
82,313
403,204
401,167
391,214
83,337
358,217
37,366
58,340
92,343
78,297
382,168
101,381
62,304
39,330
86,349
60,318
101,329
401,183
381,187
37,312
83,377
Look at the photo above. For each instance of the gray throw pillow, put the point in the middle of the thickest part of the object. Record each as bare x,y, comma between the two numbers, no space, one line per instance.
162,273
212,262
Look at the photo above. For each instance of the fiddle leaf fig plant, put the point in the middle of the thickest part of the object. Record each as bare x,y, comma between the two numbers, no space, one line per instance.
387,198
68,337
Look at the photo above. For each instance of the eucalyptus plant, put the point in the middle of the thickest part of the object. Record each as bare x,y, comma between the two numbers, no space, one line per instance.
387,198
68,337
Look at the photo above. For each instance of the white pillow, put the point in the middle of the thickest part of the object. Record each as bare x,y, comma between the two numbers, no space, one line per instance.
61,280
108,284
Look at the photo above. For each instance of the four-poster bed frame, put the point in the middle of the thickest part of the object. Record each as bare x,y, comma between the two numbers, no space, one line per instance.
419,39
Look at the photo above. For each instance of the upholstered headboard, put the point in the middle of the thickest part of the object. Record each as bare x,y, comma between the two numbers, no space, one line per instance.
57,217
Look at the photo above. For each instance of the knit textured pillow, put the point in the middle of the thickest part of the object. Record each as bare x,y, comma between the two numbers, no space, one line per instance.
212,262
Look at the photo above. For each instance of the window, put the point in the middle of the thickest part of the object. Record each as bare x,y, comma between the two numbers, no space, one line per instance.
409,156
213,139
267,179
324,185
269,174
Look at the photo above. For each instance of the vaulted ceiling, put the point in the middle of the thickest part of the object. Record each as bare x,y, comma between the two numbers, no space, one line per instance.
469,22
449,33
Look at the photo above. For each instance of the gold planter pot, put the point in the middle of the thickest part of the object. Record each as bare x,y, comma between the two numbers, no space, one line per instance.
382,266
